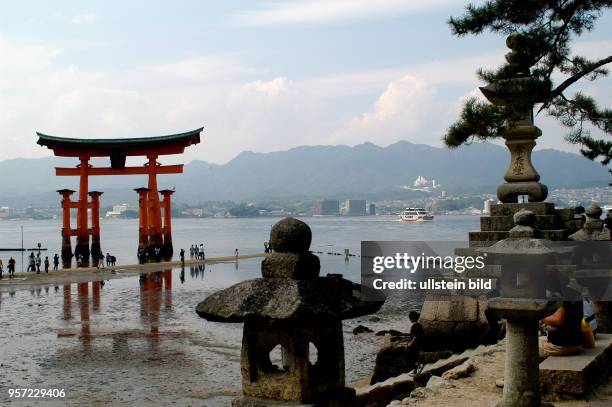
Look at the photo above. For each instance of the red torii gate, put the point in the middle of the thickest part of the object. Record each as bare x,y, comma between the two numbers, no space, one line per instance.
153,232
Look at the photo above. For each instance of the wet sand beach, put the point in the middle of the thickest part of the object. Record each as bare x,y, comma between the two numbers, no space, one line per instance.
28,280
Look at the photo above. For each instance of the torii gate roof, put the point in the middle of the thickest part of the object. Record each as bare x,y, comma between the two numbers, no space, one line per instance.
107,147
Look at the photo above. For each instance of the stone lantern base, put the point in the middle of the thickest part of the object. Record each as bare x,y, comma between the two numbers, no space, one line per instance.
510,191
552,223
312,365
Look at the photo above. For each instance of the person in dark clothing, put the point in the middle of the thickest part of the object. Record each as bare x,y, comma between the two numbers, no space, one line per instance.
32,263
416,334
579,212
402,356
47,264
563,331
492,333
55,262
182,254
11,267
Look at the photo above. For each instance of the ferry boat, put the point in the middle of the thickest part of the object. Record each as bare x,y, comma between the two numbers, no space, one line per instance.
416,215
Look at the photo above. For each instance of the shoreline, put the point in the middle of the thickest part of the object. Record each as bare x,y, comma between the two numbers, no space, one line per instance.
27,280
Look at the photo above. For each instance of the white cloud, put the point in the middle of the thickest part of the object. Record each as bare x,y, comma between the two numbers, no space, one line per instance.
329,11
404,111
17,57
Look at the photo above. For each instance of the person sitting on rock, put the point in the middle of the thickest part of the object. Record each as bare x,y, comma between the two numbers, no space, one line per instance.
416,334
563,331
401,356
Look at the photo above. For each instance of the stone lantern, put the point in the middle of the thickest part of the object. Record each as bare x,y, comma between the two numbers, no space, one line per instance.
291,307
594,249
520,133
524,259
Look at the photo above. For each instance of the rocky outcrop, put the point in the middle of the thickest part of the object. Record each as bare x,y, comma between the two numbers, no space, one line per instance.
463,370
452,322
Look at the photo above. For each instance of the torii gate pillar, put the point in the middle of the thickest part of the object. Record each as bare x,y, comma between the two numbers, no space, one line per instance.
168,249
96,250
66,229
143,229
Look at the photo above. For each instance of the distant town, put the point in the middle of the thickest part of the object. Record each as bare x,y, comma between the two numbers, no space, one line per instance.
424,193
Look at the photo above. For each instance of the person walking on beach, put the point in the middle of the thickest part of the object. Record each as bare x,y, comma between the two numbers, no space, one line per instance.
32,263
47,263
201,253
1,269
236,253
55,262
108,259
11,267
182,254
38,262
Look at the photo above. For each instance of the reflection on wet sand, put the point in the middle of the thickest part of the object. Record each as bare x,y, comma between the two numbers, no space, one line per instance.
83,301
67,308
95,290
197,271
155,290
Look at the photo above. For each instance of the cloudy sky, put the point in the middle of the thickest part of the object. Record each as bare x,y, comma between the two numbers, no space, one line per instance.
258,75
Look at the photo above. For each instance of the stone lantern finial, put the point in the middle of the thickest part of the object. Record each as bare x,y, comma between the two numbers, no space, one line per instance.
517,58
593,228
290,239
593,212
524,221
290,235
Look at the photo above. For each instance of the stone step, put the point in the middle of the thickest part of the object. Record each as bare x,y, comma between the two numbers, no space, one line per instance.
505,223
573,224
487,238
555,235
575,375
382,393
565,214
539,208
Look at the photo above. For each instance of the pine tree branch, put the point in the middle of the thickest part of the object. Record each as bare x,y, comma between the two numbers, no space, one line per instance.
573,79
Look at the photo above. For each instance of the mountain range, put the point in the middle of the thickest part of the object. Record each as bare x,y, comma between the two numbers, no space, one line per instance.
364,171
